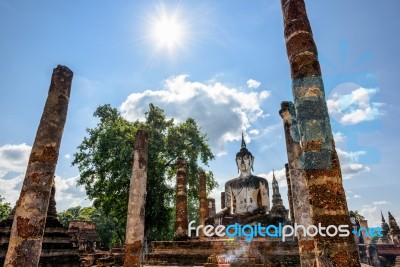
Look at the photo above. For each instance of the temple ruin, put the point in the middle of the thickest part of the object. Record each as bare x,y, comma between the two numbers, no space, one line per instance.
380,250
246,202
57,247
33,236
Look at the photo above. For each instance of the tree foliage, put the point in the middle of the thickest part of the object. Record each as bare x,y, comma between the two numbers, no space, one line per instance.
105,158
356,214
76,213
5,209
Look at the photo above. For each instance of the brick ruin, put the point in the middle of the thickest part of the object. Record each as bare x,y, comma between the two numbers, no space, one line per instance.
382,251
83,236
212,251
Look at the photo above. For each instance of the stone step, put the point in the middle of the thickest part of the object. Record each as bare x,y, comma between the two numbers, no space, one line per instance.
146,265
183,259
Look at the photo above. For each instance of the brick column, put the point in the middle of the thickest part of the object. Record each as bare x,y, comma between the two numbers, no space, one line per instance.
202,198
181,220
30,214
222,200
318,157
211,207
290,195
135,223
298,185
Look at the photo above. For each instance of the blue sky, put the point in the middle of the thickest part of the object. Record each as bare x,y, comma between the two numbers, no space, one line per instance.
229,71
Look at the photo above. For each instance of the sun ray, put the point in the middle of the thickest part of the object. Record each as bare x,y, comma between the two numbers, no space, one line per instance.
168,33
167,29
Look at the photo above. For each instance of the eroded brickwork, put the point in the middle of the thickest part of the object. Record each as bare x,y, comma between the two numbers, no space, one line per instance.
31,209
317,158
137,202
203,198
181,220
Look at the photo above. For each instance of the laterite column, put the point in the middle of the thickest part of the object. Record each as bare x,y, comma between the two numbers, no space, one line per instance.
318,157
181,220
26,238
203,198
135,223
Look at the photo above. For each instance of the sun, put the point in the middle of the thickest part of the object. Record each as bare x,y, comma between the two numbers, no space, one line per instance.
168,32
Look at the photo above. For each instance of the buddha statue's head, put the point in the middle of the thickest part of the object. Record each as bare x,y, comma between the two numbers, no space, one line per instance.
244,160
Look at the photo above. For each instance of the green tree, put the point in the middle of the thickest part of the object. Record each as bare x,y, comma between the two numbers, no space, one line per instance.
5,209
104,160
76,213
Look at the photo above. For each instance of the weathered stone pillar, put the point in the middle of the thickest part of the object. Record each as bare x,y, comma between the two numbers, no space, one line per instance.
211,207
135,223
222,200
318,157
202,198
30,214
181,220
290,195
298,185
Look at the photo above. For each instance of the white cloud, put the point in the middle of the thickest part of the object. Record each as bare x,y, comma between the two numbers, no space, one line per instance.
372,214
350,157
14,158
221,111
339,137
382,202
10,188
350,170
253,83
223,153
67,193
254,132
357,196
67,156
349,162
280,176
356,106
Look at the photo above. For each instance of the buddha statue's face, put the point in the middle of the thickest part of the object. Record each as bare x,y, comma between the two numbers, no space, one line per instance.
244,163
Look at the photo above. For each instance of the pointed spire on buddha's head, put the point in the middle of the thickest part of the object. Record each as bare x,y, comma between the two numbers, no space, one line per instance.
243,142
244,152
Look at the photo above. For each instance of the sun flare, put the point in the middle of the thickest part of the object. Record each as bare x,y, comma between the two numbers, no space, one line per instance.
168,32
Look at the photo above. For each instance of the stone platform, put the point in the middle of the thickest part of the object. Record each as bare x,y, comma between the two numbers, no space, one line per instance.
57,249
269,252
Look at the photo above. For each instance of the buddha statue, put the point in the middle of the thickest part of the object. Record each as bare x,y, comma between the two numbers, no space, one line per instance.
246,193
